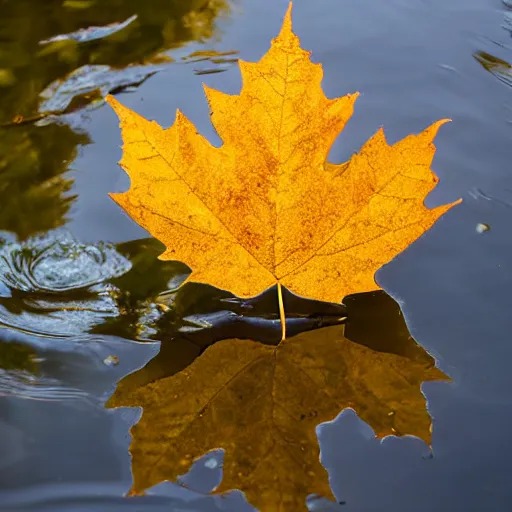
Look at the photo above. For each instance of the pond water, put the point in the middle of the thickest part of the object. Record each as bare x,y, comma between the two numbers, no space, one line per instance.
84,301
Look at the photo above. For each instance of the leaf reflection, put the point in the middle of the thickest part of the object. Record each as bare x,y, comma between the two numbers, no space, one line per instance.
57,286
262,403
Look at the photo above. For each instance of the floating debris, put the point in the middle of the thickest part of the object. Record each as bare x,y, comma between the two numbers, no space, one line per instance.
500,68
111,360
482,228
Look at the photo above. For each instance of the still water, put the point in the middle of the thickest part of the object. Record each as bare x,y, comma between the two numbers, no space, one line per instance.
84,301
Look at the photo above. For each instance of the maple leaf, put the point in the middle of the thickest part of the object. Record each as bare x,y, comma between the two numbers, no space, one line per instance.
266,207
262,405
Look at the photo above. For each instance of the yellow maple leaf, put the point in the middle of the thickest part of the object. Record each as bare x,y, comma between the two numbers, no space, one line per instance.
262,404
266,207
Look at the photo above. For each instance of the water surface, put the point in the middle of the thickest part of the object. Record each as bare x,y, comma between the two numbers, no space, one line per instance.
83,300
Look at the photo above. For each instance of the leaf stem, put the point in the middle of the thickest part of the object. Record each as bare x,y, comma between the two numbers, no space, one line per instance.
281,311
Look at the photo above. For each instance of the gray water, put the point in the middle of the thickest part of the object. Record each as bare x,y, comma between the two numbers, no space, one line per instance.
69,297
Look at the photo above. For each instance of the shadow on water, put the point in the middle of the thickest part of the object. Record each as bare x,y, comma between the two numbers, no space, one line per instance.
373,320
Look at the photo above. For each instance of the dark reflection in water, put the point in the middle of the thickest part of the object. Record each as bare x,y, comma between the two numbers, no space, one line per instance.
42,42
371,319
500,68
34,190
61,57
495,65
19,368
382,384
19,358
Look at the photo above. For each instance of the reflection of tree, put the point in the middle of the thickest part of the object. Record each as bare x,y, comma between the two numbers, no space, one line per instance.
14,356
33,159
29,67
32,186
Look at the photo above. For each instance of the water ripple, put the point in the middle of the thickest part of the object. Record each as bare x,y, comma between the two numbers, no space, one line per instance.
26,385
56,286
